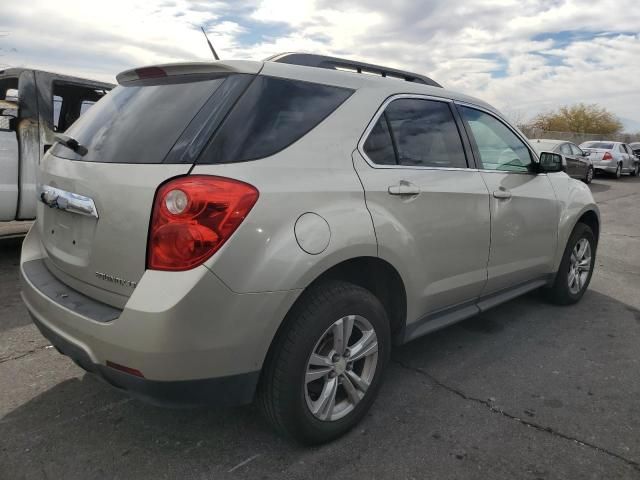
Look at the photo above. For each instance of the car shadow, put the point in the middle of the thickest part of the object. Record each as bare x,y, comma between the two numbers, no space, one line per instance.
83,428
12,311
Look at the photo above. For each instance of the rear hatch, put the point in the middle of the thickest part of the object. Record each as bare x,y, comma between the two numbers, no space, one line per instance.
149,129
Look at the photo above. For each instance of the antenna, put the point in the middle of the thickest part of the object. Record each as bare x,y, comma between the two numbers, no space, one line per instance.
215,55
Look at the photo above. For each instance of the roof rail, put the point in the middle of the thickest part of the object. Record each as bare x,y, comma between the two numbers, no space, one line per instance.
334,63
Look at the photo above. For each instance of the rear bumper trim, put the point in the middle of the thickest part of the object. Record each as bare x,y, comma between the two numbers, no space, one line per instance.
43,280
221,391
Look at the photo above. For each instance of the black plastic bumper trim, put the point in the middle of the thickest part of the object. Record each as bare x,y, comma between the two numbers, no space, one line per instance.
226,391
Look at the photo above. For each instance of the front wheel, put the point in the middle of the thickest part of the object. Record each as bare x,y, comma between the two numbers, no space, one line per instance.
636,170
326,365
576,267
589,177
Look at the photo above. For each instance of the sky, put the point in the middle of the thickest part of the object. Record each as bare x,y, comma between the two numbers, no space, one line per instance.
522,56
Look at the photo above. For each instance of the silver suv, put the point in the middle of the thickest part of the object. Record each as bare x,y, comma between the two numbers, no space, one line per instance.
219,232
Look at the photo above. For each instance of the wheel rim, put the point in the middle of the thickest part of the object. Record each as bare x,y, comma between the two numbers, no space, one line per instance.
619,171
341,368
589,174
579,266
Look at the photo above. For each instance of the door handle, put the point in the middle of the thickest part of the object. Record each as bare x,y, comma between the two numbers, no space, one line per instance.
502,193
404,188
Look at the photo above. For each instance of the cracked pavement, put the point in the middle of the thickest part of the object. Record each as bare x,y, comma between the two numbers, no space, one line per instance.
526,390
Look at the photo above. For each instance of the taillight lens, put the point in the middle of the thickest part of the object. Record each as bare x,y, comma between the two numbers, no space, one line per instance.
607,156
192,218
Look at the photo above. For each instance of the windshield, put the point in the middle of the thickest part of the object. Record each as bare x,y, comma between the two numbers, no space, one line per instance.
138,123
544,146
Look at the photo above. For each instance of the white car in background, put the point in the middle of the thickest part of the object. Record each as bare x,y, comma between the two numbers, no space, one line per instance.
612,157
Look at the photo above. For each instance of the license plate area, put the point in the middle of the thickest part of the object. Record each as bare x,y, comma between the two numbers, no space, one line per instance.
68,237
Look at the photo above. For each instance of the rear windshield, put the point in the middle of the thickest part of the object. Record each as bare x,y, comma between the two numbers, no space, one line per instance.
139,123
605,146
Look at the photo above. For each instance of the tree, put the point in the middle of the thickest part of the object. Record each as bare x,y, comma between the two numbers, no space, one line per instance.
579,118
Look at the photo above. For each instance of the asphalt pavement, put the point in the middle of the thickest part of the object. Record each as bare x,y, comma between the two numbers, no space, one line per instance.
527,390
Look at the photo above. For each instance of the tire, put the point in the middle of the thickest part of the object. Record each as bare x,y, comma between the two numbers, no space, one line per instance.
589,176
618,173
563,290
287,400
636,170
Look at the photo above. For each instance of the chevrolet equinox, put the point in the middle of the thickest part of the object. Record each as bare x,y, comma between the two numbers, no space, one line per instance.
238,230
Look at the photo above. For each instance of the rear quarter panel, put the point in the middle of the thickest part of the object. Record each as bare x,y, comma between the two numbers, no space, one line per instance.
315,174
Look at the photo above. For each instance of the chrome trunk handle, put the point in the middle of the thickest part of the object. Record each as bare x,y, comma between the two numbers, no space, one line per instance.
68,201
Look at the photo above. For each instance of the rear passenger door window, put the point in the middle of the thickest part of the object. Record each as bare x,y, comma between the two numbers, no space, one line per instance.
497,146
415,132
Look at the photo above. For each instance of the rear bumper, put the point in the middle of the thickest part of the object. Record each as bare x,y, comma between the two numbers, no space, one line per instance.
221,391
193,339
609,167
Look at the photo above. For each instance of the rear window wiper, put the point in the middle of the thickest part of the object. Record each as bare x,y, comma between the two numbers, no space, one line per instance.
71,143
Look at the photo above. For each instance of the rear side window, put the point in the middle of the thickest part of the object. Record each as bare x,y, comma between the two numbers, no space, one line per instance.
419,133
379,145
271,115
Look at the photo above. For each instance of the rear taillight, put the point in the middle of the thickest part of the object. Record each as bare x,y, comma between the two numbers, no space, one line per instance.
192,218
607,156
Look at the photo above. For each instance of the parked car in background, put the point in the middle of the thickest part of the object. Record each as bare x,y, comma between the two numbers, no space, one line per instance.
219,232
636,149
577,162
615,158
34,107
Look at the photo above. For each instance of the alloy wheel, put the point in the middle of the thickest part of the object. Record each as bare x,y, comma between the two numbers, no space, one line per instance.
579,266
341,368
589,175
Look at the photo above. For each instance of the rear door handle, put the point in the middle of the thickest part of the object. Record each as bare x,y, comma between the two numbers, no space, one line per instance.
404,188
502,193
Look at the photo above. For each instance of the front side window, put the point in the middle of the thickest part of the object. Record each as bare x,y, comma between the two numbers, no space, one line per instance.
576,150
419,133
498,147
565,149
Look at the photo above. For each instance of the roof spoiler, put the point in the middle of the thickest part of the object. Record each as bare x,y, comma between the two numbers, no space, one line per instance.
335,63
190,68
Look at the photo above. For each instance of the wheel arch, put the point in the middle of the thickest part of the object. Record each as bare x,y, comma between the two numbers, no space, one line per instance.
372,273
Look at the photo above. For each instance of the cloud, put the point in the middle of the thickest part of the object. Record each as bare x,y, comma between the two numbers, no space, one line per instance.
523,56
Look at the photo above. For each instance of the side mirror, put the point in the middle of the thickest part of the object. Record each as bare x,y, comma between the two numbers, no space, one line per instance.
551,162
586,153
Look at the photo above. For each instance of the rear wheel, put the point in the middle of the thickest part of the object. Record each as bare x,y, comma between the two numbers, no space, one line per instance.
618,173
636,170
589,177
326,365
576,267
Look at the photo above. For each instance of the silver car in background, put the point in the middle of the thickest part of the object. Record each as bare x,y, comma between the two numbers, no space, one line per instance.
612,157
238,230
577,162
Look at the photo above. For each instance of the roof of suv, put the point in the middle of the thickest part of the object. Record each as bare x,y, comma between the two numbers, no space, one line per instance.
392,84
